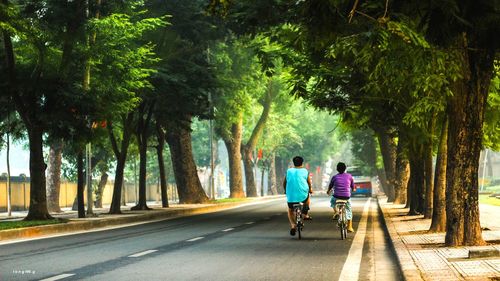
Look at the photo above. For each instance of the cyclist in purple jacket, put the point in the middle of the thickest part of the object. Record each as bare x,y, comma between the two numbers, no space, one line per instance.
342,184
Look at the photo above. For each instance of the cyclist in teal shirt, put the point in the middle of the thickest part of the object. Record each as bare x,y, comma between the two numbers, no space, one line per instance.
297,187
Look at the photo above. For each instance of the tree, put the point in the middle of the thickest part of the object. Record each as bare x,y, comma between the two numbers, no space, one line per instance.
37,76
238,73
121,64
182,85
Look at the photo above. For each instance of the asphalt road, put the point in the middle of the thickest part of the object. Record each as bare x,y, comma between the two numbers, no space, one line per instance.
246,243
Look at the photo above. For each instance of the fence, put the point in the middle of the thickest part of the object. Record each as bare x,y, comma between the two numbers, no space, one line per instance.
20,194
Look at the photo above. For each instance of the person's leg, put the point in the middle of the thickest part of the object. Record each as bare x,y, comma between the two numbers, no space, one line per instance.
332,204
305,208
349,216
291,218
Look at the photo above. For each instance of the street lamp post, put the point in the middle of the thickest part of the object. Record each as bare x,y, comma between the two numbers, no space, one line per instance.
212,162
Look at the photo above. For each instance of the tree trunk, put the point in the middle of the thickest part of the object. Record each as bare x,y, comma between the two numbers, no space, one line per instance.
272,185
438,223
160,134
100,188
417,180
38,194
388,149
429,170
121,158
248,164
280,173
80,184
249,147
142,203
233,145
54,176
383,180
186,176
402,171
142,140
466,115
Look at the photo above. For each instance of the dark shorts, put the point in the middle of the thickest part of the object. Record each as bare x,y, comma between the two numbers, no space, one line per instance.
290,204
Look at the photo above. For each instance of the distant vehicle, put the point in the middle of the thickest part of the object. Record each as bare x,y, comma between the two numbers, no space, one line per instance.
362,183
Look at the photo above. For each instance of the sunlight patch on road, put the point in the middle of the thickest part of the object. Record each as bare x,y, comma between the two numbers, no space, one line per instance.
350,270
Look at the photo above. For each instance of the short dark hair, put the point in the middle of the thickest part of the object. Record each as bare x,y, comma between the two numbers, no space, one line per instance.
297,161
341,167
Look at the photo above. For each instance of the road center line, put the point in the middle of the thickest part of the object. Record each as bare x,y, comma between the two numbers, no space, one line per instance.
58,277
250,222
142,253
195,239
350,270
229,229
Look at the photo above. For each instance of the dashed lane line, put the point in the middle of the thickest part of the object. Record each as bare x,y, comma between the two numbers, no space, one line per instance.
350,270
142,253
229,229
58,277
195,239
250,222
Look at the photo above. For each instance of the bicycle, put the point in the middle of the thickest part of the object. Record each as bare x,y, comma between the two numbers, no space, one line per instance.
342,217
297,210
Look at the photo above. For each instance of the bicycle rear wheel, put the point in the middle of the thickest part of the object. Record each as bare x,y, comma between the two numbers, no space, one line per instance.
343,228
298,221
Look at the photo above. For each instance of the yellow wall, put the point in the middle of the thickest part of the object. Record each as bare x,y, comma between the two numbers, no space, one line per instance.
21,193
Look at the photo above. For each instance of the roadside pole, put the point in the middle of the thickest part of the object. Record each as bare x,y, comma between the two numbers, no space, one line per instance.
484,168
90,200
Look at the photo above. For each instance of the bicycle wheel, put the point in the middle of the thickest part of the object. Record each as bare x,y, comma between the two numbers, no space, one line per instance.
298,221
342,225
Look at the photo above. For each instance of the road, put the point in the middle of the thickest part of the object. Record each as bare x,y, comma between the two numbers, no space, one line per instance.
246,243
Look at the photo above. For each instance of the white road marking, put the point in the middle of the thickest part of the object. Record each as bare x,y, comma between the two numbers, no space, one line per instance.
58,277
250,222
142,253
350,270
195,239
229,229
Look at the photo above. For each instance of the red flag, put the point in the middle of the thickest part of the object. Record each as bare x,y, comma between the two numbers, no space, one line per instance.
259,154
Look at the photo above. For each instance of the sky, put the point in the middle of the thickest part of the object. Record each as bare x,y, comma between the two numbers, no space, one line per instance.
19,160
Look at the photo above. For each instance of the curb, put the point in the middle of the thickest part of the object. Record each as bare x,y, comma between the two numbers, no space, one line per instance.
406,264
91,224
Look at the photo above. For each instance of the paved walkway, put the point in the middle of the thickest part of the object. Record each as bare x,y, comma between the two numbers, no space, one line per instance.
423,256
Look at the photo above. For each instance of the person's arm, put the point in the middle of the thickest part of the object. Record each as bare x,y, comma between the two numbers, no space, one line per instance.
353,188
330,186
309,183
284,185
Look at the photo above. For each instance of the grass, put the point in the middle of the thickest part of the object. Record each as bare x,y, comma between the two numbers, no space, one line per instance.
20,224
486,199
230,200
494,189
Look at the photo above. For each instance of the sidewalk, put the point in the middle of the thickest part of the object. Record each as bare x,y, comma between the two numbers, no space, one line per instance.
104,220
423,256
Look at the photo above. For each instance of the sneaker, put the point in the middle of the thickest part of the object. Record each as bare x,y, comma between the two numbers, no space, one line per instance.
292,231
